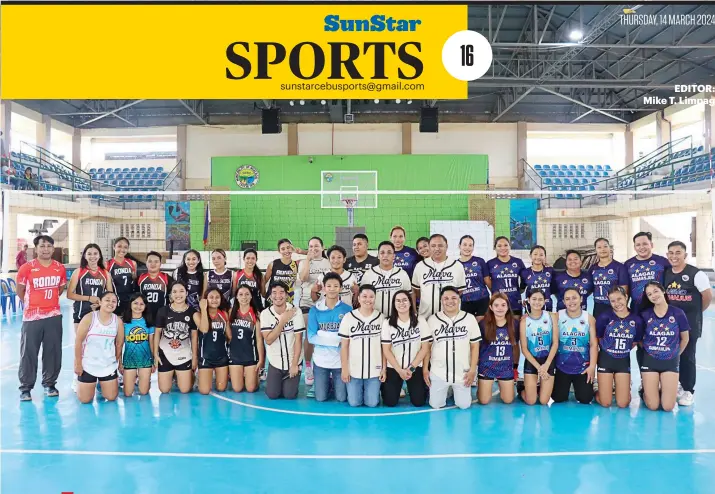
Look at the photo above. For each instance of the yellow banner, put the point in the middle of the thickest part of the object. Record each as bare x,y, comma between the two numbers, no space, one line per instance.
228,51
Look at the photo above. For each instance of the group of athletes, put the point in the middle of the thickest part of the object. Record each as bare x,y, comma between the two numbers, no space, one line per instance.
362,328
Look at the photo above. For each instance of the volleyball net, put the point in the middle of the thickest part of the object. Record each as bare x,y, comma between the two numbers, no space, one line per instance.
174,222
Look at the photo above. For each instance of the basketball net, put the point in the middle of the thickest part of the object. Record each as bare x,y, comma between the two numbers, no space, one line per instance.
349,206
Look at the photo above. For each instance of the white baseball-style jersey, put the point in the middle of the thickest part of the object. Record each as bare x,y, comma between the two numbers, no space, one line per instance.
430,277
365,351
451,344
280,352
318,268
405,339
386,284
346,291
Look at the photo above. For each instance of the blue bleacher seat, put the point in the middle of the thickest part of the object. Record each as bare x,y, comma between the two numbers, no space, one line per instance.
599,168
570,173
700,148
545,167
579,173
547,181
542,173
536,167
552,173
159,169
567,181
608,168
134,169
589,168
92,171
572,167
557,181
150,169
591,187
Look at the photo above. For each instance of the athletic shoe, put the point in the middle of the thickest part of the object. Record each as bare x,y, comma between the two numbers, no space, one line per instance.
262,375
520,387
402,393
681,391
595,386
25,396
311,392
309,378
51,392
687,399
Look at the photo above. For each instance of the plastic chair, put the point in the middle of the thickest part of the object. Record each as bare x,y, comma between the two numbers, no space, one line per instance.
537,167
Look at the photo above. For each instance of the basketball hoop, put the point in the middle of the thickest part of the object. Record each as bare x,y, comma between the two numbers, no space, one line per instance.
349,206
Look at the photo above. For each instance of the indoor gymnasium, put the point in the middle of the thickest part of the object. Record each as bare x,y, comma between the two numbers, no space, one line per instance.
236,275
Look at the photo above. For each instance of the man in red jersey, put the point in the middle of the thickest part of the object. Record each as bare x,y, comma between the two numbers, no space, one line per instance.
40,283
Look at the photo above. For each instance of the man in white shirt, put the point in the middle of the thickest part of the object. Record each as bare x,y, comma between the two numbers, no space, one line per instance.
433,274
386,278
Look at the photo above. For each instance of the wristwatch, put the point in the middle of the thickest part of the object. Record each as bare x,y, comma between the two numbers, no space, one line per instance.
412,368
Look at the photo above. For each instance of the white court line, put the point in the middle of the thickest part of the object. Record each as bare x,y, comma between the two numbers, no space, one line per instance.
230,456
321,414
705,368
17,364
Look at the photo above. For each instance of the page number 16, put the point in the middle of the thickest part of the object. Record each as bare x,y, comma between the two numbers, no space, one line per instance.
467,55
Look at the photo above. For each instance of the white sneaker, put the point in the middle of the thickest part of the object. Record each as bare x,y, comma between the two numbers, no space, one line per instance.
402,393
686,400
681,391
595,386
262,374
309,377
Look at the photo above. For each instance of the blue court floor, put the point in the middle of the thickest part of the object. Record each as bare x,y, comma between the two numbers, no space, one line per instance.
241,443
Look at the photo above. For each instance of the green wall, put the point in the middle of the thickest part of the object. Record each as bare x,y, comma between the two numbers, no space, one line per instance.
267,218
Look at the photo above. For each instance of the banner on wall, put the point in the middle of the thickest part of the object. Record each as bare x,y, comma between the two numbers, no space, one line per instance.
310,51
178,225
522,223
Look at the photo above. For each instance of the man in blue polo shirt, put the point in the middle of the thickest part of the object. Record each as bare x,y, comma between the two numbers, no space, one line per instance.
323,325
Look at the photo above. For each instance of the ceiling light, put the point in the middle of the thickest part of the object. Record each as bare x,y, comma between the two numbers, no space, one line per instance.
322,101
377,101
576,35
397,101
409,101
292,103
302,102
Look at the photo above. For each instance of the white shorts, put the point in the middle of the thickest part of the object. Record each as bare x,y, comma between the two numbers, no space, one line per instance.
438,393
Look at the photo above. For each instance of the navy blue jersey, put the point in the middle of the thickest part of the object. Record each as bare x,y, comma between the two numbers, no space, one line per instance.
407,259
242,348
222,281
605,278
193,284
496,358
212,344
506,278
617,336
662,334
564,281
539,280
641,272
475,269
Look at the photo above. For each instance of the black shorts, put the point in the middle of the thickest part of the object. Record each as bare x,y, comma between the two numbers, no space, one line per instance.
476,307
530,369
244,363
305,310
209,364
485,378
518,311
651,364
88,378
166,366
611,365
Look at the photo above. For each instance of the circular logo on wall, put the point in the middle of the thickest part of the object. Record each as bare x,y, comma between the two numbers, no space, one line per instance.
246,176
328,177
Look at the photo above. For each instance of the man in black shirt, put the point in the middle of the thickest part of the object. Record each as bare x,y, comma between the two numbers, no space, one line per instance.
687,288
361,261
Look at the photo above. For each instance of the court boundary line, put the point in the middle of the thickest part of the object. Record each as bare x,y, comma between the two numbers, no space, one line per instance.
237,456
333,414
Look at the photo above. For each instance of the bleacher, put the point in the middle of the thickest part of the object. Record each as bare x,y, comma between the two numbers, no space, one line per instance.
64,176
685,167
566,180
53,173
131,180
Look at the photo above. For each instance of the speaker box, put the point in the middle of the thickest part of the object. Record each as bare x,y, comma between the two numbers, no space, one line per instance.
271,121
429,120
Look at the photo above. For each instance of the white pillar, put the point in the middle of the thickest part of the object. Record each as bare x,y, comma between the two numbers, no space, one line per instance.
77,148
6,125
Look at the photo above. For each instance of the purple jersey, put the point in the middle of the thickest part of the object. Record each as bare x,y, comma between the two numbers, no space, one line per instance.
506,279
564,281
474,271
641,272
605,278
539,280
662,334
496,358
617,336
407,259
